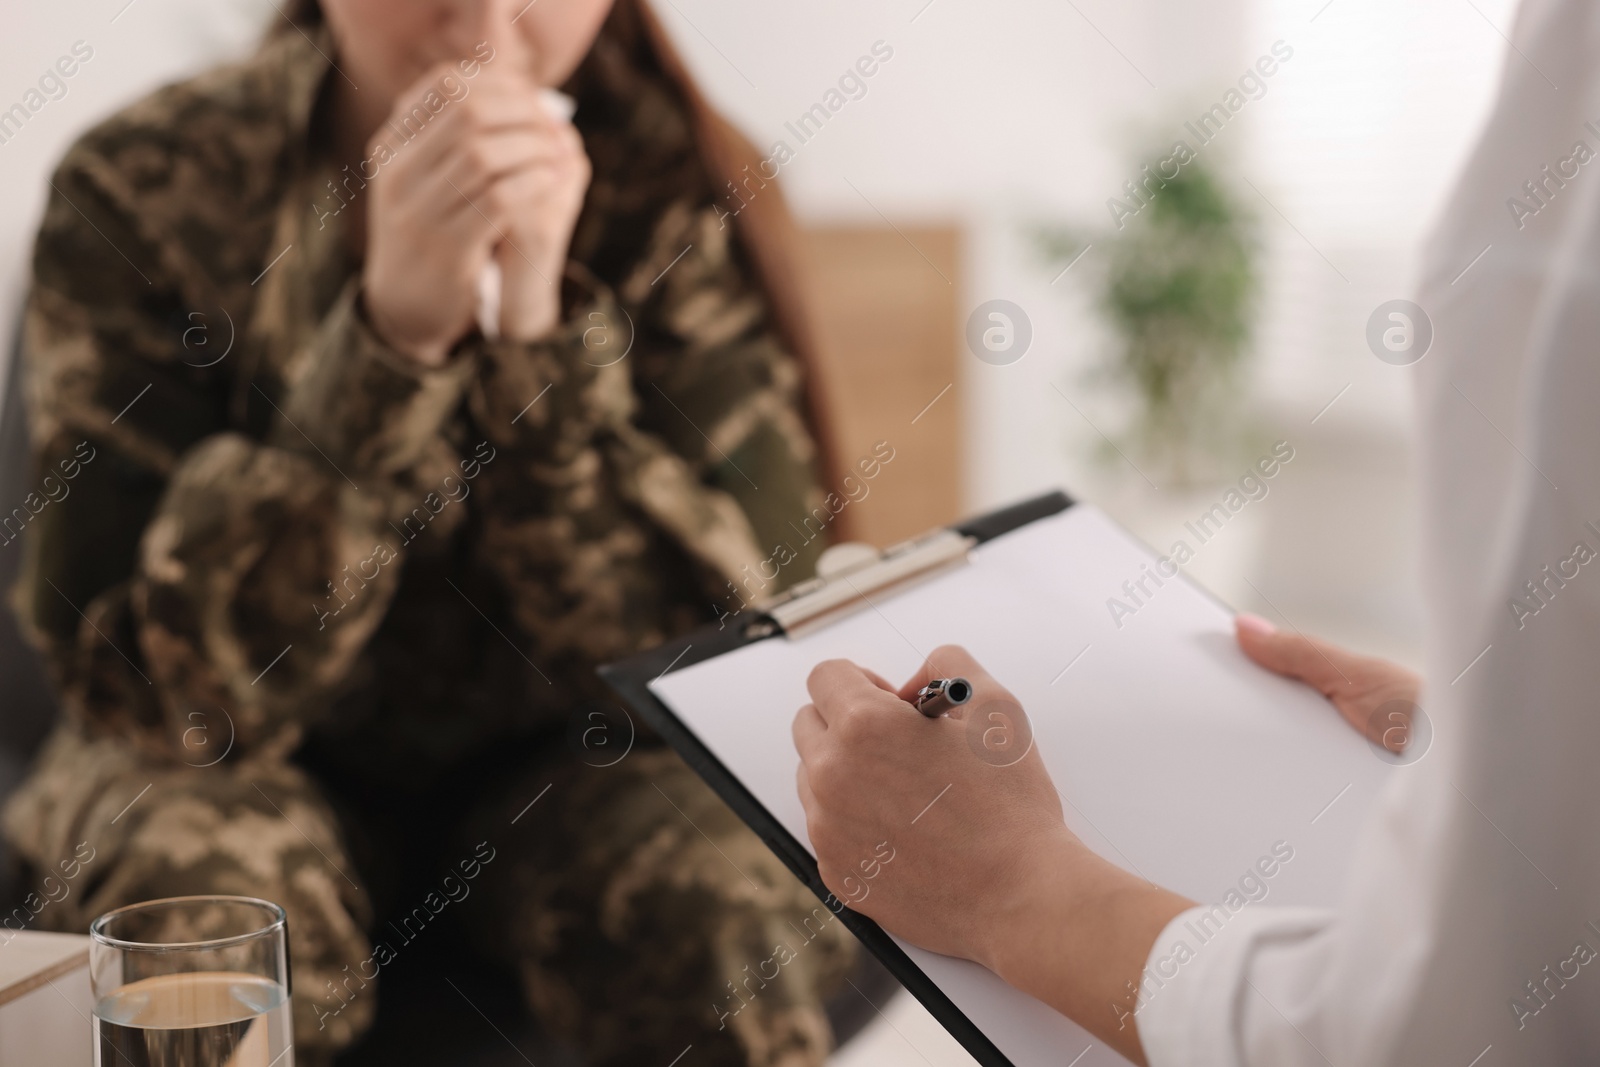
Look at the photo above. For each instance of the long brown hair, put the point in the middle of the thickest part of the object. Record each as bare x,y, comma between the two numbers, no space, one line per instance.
303,12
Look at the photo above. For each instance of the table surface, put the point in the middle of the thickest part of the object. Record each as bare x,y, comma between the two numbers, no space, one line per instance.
31,958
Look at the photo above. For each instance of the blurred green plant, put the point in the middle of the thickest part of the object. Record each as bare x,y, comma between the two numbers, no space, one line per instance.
1177,282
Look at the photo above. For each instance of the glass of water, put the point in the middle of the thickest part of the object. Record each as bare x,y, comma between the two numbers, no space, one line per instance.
192,982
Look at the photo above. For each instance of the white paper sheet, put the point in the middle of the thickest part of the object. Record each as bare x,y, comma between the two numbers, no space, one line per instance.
1177,757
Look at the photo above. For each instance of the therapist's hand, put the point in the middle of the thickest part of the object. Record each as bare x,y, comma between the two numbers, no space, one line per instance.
948,832
1375,696
878,779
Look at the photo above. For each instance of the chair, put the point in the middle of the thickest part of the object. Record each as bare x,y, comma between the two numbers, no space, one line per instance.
29,706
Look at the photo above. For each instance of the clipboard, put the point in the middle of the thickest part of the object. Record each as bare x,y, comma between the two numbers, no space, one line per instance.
1040,565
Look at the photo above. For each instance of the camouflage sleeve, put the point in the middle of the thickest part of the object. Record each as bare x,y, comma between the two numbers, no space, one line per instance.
187,569
718,385
680,382
268,566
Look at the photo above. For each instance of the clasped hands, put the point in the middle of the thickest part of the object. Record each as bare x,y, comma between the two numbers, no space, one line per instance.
494,176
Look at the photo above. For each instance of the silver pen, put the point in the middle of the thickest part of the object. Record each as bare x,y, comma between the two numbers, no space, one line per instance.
940,695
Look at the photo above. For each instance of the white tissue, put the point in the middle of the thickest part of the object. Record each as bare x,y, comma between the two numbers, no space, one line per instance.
559,104
561,107
489,300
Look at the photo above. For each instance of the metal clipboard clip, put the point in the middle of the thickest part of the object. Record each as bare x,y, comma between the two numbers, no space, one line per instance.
849,575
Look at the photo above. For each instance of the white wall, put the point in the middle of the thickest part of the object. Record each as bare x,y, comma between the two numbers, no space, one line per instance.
1358,150
1020,100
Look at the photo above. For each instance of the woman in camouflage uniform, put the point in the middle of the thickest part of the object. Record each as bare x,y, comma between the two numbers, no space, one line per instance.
337,564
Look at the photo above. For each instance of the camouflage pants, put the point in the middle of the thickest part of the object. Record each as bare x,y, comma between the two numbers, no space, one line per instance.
630,901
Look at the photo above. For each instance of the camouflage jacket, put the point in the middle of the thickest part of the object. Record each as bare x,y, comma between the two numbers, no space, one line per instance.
272,518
